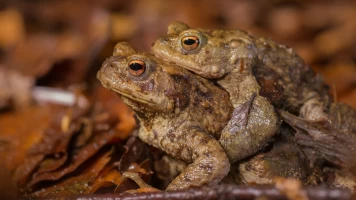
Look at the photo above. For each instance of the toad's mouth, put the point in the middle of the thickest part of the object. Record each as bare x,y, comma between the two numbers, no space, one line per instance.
106,82
127,93
169,55
208,71
134,97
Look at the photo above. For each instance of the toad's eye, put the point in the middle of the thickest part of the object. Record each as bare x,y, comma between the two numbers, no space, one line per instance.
137,67
190,43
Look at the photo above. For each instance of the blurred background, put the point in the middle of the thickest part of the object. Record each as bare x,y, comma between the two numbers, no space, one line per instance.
62,44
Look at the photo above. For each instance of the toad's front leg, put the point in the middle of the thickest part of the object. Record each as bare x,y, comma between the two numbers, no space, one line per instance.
254,120
208,161
252,125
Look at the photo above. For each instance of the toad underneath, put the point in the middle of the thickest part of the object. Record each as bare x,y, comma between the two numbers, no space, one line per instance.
178,112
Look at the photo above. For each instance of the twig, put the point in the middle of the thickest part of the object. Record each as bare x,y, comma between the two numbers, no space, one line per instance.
222,192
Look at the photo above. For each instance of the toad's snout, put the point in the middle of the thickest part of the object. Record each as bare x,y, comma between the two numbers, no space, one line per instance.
163,44
161,41
108,71
111,62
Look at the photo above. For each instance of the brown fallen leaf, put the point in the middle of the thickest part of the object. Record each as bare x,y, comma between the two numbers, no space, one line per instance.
54,147
135,178
111,104
48,154
20,130
322,142
103,187
79,183
23,172
77,159
109,177
8,189
112,181
135,151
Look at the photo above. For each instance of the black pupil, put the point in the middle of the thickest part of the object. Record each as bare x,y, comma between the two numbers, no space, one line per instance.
189,41
136,66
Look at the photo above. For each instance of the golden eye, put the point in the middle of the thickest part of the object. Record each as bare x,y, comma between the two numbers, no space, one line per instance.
190,43
137,67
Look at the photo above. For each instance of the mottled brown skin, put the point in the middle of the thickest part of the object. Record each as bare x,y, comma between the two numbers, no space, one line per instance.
233,56
259,70
228,56
178,112
283,158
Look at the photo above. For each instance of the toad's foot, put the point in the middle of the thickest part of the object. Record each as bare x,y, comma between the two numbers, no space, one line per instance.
313,109
253,123
209,163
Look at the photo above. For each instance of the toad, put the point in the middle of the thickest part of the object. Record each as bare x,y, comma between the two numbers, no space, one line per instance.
247,66
178,112
231,58
244,64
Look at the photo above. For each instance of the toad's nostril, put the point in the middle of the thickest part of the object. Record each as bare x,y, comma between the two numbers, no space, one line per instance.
160,41
163,40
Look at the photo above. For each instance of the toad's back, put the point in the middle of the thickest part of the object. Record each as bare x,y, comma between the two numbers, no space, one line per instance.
284,77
